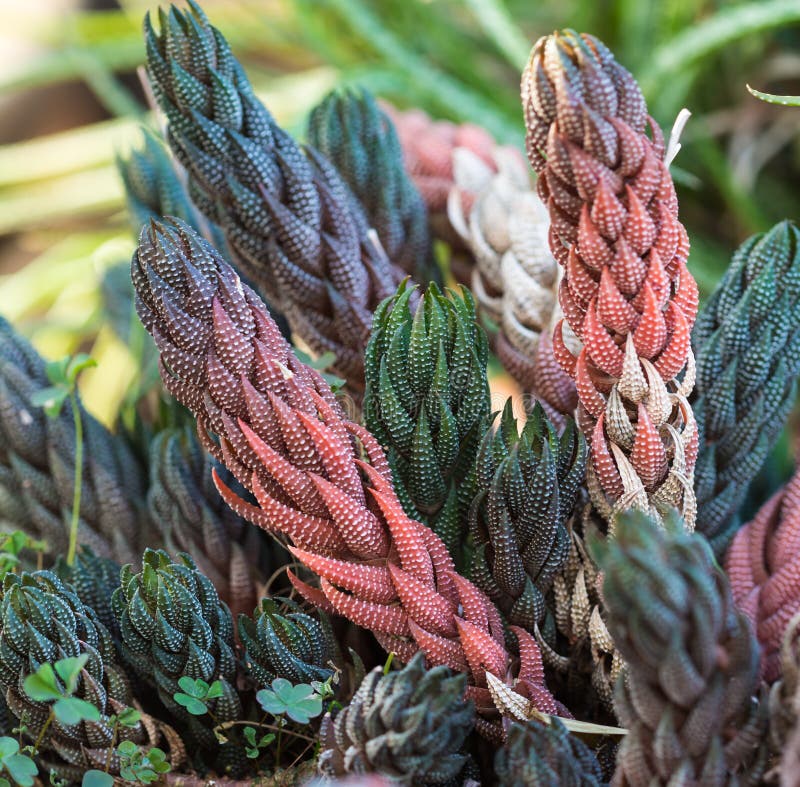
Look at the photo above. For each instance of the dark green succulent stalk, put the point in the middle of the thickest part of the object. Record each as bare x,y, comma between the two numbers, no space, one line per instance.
525,485
281,641
359,139
427,402
408,725
192,517
687,698
172,625
747,342
291,224
545,755
94,579
43,621
154,189
37,466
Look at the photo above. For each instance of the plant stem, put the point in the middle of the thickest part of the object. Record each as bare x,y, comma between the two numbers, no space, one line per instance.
40,737
76,494
111,747
278,749
245,723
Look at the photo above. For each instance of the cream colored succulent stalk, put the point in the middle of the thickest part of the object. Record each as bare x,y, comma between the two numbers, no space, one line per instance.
516,278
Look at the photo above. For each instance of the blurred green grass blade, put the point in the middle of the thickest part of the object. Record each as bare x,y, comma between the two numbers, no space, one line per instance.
708,261
55,301
70,196
429,80
744,205
499,26
109,91
121,54
72,174
442,38
771,98
710,35
637,23
67,151
73,261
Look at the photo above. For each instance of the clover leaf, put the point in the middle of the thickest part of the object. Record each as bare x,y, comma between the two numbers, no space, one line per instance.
71,710
96,778
252,750
19,767
196,694
42,686
300,703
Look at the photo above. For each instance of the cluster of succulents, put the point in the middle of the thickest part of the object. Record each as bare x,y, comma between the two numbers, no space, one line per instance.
384,578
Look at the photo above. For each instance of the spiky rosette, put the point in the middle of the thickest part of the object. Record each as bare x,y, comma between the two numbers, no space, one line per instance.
516,278
94,580
747,340
281,641
626,292
784,705
526,488
692,659
409,725
43,620
193,518
359,139
545,755
319,479
37,466
291,224
153,189
763,564
172,624
427,402
582,654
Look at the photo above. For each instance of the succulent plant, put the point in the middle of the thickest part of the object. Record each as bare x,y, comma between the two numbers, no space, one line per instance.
687,699
358,138
154,189
427,402
94,579
527,483
43,621
581,652
747,341
155,186
409,725
37,466
784,723
763,564
516,277
626,292
545,755
429,153
173,625
291,224
193,518
277,426
281,641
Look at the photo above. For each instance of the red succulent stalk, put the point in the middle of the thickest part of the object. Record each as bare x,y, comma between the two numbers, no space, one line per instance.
320,480
431,160
763,563
626,292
